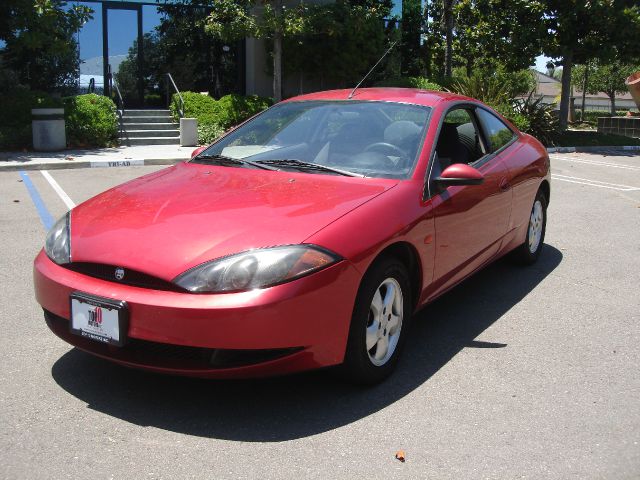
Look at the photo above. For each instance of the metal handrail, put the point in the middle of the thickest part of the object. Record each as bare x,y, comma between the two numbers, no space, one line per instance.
181,106
114,84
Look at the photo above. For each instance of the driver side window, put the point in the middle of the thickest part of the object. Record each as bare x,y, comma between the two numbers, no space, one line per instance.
458,142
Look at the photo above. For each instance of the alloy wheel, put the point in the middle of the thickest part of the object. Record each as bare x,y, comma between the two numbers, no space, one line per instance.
384,322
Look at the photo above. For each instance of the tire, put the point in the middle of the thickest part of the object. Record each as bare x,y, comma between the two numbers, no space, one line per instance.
379,323
529,251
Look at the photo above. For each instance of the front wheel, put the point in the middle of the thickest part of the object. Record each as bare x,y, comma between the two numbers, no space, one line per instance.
379,322
529,251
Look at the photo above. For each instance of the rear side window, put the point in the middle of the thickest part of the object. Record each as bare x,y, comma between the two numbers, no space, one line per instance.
498,133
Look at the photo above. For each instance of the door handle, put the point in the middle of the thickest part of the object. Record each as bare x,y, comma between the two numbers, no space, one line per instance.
504,185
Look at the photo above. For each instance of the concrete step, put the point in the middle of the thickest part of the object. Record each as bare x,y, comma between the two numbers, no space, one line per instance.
151,141
149,126
147,113
146,119
149,133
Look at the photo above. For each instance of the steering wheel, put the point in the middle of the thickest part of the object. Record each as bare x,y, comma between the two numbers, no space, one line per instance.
384,147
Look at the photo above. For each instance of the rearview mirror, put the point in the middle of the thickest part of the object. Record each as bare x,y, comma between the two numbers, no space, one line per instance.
459,174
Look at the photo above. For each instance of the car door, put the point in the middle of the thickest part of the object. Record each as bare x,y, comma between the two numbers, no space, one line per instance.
470,220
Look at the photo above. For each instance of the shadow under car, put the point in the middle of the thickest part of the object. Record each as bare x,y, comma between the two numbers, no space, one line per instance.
285,408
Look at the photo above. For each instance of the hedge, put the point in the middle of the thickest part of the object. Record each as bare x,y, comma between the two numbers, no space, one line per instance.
215,116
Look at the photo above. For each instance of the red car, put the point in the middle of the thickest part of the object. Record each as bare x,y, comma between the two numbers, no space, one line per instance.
307,237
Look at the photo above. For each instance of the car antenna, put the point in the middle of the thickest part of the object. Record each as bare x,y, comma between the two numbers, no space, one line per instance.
372,69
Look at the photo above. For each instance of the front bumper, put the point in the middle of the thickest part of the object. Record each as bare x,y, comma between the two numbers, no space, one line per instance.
291,327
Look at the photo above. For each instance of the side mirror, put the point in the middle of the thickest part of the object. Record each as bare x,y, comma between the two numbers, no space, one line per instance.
198,150
459,174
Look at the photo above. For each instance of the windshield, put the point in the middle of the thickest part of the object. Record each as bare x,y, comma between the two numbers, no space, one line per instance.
373,139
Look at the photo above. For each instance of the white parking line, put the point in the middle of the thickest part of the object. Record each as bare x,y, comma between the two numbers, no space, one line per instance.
61,193
594,183
596,163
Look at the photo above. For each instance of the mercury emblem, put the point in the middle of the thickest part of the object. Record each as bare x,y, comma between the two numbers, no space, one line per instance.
119,273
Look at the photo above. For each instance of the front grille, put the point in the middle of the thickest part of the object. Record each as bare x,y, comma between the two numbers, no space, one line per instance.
164,355
131,277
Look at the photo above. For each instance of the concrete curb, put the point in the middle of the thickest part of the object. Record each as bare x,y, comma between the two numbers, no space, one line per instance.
67,164
628,148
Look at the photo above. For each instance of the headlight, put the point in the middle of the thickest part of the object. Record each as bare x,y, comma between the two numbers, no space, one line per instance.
255,269
58,243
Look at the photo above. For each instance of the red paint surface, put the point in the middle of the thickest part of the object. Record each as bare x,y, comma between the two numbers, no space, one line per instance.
177,218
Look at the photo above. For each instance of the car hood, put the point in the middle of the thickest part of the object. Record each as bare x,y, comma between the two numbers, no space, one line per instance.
169,221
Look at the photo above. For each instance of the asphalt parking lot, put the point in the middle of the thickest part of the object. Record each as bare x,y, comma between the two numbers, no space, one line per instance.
517,373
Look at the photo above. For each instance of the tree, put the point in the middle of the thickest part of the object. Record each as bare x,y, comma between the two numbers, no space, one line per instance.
40,46
180,46
127,75
567,31
604,77
339,44
491,32
480,34
448,22
232,20
351,22
577,32
411,25
196,60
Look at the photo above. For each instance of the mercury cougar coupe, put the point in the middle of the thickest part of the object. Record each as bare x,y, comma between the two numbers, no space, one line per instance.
306,237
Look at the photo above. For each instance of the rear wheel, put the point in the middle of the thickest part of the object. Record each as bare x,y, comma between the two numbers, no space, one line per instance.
379,323
529,251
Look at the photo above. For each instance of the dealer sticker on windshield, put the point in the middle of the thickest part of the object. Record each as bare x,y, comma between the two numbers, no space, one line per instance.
100,319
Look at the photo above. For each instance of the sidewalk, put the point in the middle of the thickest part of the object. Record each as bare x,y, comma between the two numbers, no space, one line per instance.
99,157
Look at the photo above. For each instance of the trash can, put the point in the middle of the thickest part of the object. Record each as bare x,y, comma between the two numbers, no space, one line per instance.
48,129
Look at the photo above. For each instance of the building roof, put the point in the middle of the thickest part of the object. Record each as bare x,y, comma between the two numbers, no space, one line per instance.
551,87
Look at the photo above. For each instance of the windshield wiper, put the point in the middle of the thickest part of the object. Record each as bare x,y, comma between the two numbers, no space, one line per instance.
302,165
224,160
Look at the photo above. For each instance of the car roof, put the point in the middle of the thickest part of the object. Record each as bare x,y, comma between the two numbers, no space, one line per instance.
416,96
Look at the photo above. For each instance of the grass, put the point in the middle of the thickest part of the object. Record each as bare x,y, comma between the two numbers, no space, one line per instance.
590,138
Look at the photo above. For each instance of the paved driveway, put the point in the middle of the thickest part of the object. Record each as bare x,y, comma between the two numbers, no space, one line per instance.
517,373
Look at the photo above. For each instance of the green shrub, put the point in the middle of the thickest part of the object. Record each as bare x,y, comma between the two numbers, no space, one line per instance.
543,123
410,82
15,121
209,133
591,116
235,109
215,116
91,121
520,121
528,114
196,105
531,116
490,90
